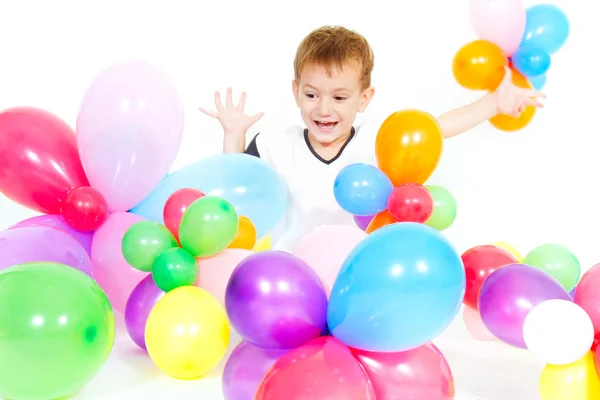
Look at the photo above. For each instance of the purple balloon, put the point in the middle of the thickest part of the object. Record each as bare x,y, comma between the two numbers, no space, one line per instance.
33,244
509,293
58,222
275,300
244,370
141,301
572,292
363,222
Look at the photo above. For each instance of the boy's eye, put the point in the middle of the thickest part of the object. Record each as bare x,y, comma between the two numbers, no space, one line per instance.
310,95
339,98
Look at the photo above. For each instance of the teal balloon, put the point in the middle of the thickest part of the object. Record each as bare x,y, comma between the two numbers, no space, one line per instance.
547,28
538,82
249,183
398,289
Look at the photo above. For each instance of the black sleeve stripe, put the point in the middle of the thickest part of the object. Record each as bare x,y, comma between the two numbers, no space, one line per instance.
252,149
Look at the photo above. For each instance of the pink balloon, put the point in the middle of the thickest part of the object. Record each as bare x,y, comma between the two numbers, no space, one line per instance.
475,325
420,373
325,249
587,296
129,130
501,22
216,270
116,277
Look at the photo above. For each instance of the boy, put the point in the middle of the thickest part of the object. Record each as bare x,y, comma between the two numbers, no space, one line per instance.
332,83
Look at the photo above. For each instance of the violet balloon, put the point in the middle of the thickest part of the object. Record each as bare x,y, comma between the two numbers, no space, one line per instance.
275,300
58,222
363,221
245,369
142,300
42,244
507,296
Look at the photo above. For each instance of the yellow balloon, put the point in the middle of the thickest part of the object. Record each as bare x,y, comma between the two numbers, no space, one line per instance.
187,333
575,381
510,249
262,244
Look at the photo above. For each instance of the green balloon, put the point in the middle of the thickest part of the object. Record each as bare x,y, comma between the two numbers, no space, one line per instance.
444,208
56,331
144,241
208,226
557,261
174,268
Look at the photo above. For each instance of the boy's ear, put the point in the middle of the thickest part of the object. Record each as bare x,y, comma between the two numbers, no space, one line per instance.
295,90
365,98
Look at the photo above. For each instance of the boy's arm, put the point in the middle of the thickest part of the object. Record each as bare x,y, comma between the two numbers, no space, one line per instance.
507,99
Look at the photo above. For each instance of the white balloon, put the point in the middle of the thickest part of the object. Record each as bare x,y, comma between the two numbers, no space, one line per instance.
558,332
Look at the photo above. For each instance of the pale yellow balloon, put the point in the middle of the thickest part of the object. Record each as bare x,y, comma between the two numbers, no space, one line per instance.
262,244
187,333
575,381
510,249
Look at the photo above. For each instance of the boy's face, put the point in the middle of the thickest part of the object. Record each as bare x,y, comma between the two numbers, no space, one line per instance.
329,103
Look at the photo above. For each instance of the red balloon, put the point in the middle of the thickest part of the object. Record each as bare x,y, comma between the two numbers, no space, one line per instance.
39,162
587,296
323,368
410,202
85,209
176,205
480,262
420,373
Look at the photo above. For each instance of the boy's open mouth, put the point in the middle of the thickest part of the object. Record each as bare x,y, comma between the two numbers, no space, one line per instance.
326,126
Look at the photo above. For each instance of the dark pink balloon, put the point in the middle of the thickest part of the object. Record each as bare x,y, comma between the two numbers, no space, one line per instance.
420,373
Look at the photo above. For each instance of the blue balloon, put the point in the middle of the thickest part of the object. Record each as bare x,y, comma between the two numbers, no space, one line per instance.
538,82
398,289
362,189
251,185
531,61
547,28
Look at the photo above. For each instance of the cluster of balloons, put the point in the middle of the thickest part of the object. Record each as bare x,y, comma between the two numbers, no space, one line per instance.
294,330
532,302
408,149
509,35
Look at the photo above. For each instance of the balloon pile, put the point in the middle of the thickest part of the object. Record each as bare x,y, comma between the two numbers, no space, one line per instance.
509,35
408,149
396,291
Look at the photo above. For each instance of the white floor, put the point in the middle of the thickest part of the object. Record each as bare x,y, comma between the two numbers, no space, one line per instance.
482,371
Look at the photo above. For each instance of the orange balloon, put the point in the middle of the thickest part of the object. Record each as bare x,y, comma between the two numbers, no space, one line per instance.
379,221
479,65
245,237
409,146
511,124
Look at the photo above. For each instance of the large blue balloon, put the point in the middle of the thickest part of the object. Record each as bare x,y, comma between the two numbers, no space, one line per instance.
398,289
547,28
251,185
362,189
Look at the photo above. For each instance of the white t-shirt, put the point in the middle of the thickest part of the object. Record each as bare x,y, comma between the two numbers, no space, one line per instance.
309,179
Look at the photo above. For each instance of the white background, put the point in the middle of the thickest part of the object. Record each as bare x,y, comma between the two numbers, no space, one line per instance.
527,188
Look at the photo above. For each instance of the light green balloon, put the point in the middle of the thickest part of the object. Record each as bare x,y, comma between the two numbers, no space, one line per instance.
144,241
56,331
558,261
444,208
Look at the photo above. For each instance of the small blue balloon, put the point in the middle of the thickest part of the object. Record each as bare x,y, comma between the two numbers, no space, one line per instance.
547,28
398,289
531,61
250,184
538,82
362,189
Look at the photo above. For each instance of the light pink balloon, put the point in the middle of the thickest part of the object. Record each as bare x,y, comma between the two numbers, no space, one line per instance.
129,130
326,248
501,22
116,277
475,325
214,272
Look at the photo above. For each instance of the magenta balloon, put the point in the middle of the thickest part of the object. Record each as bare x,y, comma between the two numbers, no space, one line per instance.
509,293
275,300
245,369
58,222
142,300
38,243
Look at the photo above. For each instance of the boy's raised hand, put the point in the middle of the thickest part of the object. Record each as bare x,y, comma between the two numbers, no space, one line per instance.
512,100
232,117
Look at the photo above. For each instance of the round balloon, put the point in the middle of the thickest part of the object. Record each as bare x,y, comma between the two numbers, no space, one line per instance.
556,260
478,65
